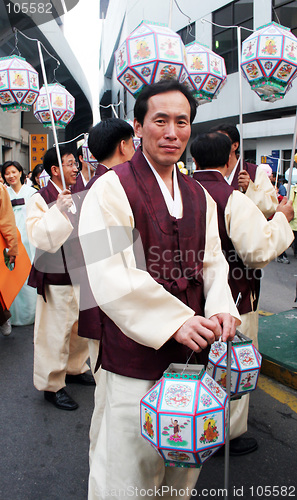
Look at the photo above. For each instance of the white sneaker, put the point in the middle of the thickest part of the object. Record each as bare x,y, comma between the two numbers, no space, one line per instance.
6,328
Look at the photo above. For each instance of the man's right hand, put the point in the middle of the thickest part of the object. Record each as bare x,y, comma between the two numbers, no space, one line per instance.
198,332
286,207
64,200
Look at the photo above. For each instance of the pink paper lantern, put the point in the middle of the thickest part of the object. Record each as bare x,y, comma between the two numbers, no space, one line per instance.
63,106
19,84
206,72
149,54
269,61
183,416
87,155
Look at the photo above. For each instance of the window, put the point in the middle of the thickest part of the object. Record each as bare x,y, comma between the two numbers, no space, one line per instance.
285,12
224,40
188,33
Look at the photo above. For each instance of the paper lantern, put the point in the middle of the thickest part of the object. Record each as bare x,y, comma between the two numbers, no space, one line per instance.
62,102
87,155
269,61
43,179
245,364
19,84
206,72
184,416
149,54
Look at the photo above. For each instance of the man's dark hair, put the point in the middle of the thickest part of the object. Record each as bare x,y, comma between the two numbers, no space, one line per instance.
230,130
211,150
51,158
170,85
106,135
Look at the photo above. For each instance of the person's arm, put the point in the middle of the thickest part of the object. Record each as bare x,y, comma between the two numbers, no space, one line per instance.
262,193
7,223
47,226
256,240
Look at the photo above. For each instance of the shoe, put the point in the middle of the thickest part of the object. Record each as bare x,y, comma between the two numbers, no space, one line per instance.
283,260
61,400
82,378
5,329
239,446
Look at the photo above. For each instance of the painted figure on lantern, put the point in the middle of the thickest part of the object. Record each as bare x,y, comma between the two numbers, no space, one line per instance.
197,63
148,424
143,51
211,433
270,47
18,80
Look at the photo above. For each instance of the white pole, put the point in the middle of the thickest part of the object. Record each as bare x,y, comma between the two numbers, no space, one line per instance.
240,96
51,114
292,158
114,111
277,172
170,14
227,440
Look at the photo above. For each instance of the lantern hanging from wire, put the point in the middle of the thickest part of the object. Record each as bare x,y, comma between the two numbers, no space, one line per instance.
149,54
86,153
245,365
184,416
269,61
206,72
19,84
62,102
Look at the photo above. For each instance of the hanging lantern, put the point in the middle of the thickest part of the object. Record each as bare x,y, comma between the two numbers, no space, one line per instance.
206,72
184,415
63,104
86,153
245,364
19,84
44,178
269,61
149,54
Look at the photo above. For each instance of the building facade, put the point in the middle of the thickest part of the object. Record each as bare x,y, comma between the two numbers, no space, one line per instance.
267,127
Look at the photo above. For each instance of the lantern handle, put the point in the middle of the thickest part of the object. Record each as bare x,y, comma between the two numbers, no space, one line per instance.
15,43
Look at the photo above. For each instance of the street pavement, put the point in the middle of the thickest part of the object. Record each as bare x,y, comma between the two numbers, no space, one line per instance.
44,451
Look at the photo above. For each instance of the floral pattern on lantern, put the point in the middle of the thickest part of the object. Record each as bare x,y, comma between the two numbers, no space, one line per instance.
19,84
269,61
245,364
149,54
184,416
63,106
206,72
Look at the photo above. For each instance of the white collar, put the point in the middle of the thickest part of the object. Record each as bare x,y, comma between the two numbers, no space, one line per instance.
174,205
230,178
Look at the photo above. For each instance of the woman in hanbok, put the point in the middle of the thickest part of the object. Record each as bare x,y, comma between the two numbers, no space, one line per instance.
23,307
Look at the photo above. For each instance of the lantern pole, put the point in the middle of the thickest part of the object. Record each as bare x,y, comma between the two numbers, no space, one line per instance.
292,158
51,114
240,97
170,14
227,441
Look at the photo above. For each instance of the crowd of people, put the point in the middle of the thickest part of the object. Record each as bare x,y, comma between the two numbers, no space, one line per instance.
135,266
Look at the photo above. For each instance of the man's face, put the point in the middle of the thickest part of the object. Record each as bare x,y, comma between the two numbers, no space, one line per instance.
166,128
69,169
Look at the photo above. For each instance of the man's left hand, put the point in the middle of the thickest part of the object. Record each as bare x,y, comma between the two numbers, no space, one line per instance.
227,324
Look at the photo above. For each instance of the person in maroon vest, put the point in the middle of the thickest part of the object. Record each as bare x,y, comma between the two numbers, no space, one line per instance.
249,242
252,180
59,354
84,175
156,270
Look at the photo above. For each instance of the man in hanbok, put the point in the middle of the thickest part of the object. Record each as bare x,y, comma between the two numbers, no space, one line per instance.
249,243
153,255
252,180
60,355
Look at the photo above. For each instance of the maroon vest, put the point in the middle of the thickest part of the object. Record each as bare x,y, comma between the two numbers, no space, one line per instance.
100,170
53,268
251,170
174,252
241,278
